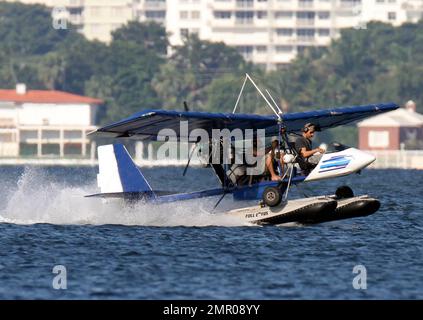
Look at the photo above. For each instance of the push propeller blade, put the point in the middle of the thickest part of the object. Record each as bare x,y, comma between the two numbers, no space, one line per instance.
189,160
220,200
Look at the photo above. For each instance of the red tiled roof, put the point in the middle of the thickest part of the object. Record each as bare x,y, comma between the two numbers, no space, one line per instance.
44,96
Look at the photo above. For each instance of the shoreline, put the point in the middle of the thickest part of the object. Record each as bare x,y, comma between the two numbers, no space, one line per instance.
379,164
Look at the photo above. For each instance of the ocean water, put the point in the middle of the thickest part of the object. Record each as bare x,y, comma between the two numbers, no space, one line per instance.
185,251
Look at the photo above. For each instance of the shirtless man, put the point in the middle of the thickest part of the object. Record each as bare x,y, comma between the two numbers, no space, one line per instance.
271,161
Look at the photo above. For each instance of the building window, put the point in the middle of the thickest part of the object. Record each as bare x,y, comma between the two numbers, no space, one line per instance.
183,15
351,3
324,32
283,14
323,15
155,14
117,11
222,14
28,135
72,149
284,32
284,49
261,14
184,32
392,16
50,149
245,51
7,123
305,32
72,134
378,139
305,3
301,49
244,15
261,49
50,134
96,11
245,3
6,137
307,15
26,149
195,15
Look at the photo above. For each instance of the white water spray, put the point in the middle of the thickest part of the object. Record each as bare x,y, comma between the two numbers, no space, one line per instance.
39,200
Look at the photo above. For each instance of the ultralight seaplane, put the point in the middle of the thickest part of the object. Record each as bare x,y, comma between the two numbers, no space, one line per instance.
119,177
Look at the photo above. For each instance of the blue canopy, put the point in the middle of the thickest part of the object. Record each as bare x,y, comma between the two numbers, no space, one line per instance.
147,124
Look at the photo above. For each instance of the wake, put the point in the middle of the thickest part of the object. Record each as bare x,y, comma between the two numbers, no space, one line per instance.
37,199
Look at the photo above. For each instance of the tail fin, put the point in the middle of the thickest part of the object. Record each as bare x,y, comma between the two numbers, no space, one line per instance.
118,173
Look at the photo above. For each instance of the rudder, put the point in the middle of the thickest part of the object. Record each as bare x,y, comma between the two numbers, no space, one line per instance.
118,173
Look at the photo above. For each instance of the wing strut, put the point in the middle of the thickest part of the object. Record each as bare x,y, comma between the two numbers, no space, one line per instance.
247,77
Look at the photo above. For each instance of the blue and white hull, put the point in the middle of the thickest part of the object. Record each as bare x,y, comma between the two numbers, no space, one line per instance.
309,210
341,163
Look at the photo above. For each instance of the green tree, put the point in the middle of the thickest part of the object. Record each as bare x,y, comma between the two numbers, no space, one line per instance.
27,30
82,59
131,68
192,67
149,35
27,46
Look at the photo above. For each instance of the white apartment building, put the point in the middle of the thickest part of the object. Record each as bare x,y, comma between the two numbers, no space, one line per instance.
267,32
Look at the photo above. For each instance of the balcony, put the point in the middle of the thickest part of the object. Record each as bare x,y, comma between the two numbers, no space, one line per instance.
304,4
154,5
348,4
305,22
306,39
244,3
244,22
75,4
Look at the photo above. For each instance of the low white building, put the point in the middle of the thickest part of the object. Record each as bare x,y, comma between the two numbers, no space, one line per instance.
40,123
395,130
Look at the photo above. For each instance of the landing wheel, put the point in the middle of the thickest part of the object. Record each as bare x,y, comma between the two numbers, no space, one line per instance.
272,196
344,192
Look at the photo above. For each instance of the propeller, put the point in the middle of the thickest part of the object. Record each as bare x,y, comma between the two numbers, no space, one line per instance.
220,199
189,159
186,108
190,156
226,189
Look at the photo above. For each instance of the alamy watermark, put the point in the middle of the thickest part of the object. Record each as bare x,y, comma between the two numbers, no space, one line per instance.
224,146
360,280
60,281
59,16
361,23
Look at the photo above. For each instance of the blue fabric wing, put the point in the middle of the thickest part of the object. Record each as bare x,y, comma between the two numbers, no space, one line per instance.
148,124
